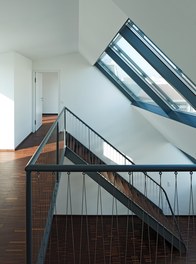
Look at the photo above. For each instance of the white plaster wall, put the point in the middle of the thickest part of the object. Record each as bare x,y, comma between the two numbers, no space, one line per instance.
15,99
81,195
99,21
182,136
83,192
96,101
7,101
22,98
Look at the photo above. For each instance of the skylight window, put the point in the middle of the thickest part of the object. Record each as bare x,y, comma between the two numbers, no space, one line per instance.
162,56
147,76
124,79
156,81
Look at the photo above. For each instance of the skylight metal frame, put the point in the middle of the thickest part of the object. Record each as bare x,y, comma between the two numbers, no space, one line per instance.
156,89
163,65
138,80
163,68
176,70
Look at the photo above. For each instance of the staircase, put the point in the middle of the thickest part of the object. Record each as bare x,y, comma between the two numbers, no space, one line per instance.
126,193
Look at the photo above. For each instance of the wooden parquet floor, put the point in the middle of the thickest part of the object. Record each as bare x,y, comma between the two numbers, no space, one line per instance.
12,196
113,240
12,219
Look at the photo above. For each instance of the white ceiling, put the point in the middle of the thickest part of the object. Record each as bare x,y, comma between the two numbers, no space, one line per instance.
46,28
39,28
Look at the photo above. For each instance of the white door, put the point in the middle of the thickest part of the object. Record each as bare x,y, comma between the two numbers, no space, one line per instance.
38,100
50,92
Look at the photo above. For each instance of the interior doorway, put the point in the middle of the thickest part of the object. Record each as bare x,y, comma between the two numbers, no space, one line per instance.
46,96
50,84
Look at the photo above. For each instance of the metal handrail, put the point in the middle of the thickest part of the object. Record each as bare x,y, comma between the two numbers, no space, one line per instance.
33,167
112,168
35,156
66,109
118,168
121,168
131,168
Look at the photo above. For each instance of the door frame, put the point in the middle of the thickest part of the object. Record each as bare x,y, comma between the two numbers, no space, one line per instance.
34,94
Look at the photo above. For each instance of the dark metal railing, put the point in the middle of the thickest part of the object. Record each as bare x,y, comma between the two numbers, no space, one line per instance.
112,168
50,151
49,158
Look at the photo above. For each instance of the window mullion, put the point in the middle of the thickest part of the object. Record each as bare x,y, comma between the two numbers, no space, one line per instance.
160,67
139,81
145,77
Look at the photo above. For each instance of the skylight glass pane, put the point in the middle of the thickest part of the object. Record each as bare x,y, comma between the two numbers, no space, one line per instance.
154,79
162,56
115,70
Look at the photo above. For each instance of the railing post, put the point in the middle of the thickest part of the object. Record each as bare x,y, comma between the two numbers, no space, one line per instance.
89,145
28,218
57,144
57,149
65,127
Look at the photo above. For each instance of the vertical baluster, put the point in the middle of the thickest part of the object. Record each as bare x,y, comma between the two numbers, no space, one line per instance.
66,218
145,184
176,204
65,127
72,124
127,224
117,230
102,226
175,210
57,237
29,217
89,146
111,232
160,191
81,222
71,214
85,211
92,148
96,224
87,226
191,215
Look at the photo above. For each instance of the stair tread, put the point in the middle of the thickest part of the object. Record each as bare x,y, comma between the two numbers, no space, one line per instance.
127,189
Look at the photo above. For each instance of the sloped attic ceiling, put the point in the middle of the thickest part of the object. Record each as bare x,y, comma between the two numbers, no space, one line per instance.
47,28
170,24
39,28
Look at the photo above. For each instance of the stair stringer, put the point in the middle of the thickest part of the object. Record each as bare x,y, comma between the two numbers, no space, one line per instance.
130,204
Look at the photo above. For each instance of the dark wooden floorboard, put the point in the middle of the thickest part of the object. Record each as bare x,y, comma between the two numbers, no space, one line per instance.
12,219
107,244
12,196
